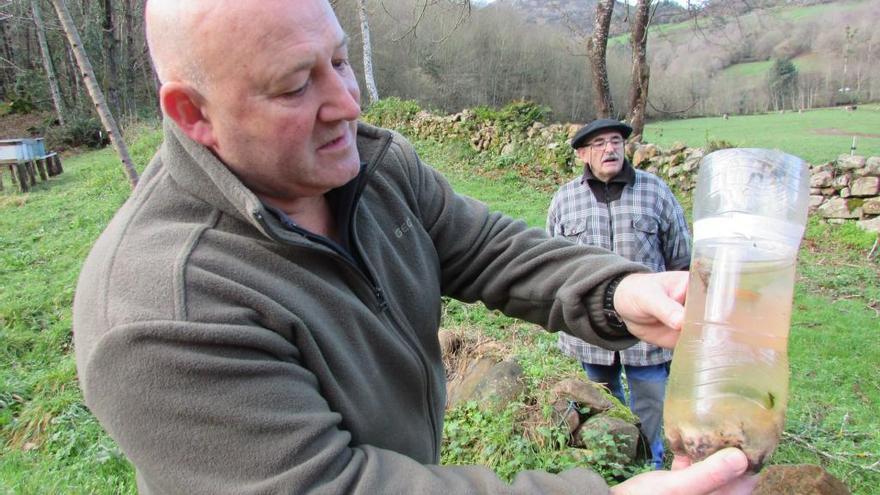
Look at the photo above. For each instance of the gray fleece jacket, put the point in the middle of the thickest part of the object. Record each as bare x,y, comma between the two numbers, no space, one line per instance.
226,353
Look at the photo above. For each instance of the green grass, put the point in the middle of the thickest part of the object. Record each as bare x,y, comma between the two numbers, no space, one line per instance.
812,135
50,443
749,69
812,12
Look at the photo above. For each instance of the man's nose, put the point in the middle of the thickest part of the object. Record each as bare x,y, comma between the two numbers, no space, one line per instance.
342,99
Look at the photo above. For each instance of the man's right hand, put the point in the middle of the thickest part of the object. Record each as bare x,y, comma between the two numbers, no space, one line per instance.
722,473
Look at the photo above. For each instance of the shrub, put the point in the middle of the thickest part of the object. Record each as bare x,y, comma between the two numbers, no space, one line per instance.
392,113
79,131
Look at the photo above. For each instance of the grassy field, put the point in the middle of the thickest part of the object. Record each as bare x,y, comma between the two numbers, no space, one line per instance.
50,443
815,135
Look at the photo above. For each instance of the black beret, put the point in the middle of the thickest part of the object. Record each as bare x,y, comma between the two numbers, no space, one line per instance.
599,125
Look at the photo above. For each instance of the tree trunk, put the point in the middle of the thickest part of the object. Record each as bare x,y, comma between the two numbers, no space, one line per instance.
596,47
95,92
7,76
638,94
47,61
129,58
111,50
368,53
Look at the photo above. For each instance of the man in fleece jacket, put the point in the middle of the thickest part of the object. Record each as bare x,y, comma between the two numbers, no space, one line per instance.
261,315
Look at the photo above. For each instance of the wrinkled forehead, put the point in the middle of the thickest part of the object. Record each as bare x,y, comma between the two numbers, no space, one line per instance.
605,135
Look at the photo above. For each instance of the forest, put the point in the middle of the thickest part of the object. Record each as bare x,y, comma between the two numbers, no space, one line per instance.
708,58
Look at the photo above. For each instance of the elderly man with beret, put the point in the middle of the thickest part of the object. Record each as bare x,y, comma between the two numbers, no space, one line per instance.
634,214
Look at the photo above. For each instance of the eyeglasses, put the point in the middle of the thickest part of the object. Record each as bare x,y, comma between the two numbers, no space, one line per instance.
600,144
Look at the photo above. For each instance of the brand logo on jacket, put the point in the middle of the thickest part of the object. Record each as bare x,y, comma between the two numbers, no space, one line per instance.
403,228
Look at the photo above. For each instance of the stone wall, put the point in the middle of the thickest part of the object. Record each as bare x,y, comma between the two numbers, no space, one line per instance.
846,189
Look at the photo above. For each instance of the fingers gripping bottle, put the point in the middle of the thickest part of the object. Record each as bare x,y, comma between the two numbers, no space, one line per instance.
728,386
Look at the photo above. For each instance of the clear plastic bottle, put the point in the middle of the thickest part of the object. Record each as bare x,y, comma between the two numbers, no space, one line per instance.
729,380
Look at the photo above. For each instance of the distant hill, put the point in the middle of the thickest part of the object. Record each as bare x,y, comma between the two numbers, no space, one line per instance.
576,11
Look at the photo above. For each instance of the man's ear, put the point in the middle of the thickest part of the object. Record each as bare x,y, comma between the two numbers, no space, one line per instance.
185,106
584,154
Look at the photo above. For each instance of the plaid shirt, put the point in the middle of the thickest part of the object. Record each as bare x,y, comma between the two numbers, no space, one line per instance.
646,225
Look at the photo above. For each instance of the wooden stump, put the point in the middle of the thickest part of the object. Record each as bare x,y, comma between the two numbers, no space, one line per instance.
12,174
21,173
31,173
41,168
56,163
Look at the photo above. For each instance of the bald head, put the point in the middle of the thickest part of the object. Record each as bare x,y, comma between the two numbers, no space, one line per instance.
178,33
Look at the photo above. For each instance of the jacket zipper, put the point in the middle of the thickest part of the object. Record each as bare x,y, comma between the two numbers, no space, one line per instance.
382,306
610,219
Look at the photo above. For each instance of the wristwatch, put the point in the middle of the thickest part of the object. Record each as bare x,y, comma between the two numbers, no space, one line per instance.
615,323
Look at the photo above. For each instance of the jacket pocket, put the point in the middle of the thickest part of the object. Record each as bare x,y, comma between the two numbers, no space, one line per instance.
646,230
572,229
645,225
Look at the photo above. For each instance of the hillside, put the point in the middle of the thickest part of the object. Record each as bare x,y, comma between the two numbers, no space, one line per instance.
569,12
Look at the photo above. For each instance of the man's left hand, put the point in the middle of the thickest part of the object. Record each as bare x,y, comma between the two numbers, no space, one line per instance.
651,304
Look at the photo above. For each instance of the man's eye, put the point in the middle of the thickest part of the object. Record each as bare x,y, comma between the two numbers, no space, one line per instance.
340,63
295,92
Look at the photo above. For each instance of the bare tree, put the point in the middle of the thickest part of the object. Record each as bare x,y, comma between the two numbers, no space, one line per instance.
596,48
111,50
95,92
638,94
47,61
370,81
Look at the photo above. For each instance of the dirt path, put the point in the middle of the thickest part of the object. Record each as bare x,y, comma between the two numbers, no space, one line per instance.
833,131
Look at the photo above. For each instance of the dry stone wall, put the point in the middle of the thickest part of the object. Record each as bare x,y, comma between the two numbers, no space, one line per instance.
845,189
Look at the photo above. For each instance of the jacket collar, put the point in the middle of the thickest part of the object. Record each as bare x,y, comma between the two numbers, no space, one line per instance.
199,172
627,175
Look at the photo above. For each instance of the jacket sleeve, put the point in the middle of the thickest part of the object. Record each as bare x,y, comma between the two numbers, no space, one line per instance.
231,409
675,240
521,271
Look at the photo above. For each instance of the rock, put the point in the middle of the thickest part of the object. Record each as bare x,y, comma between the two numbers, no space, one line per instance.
691,164
850,162
508,149
820,179
871,206
644,153
871,225
677,147
825,167
588,395
845,192
566,414
841,181
461,389
492,385
815,202
626,435
865,186
450,342
815,191
800,479
673,171
839,208
872,166
827,191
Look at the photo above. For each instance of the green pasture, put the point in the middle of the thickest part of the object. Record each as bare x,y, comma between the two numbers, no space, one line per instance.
817,135
50,443
814,12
